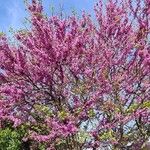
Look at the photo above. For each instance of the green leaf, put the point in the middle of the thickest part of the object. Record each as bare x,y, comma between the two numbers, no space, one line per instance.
132,108
91,113
106,135
1,34
62,114
82,136
146,104
10,139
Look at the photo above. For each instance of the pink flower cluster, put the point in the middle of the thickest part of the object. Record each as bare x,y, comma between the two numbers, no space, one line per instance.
72,74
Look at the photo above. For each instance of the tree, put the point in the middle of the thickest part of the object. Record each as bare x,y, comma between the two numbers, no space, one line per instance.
78,83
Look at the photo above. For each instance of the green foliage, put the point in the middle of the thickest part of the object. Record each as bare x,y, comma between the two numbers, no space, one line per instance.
62,114
83,136
42,146
132,108
45,110
146,104
9,139
135,106
106,135
2,34
91,113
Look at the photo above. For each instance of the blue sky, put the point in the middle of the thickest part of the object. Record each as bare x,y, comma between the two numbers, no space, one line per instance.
12,12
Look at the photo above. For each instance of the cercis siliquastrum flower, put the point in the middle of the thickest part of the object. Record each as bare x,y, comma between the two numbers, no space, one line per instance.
78,83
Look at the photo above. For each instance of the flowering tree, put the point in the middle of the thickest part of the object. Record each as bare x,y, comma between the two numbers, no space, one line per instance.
75,83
